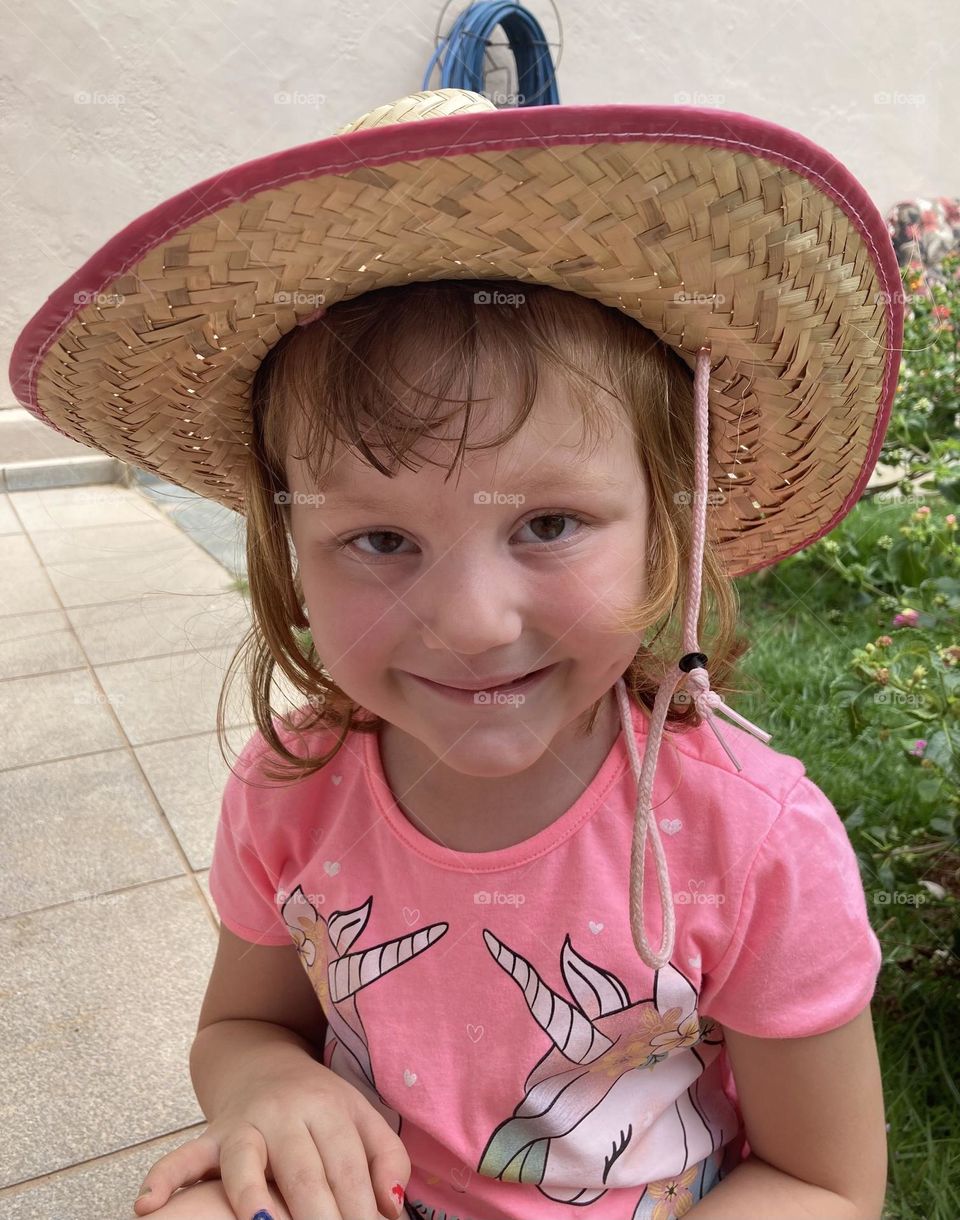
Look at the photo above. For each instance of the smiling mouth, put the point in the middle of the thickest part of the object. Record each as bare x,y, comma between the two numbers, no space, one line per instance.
490,686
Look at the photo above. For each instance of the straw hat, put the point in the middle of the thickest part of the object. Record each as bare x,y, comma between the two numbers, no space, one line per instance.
747,249
706,226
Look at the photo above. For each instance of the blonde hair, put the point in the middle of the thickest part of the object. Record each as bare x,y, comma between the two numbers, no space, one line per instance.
337,373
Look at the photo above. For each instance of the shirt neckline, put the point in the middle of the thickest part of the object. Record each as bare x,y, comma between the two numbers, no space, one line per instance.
545,840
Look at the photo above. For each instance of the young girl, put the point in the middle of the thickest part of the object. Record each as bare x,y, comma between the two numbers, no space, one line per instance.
470,497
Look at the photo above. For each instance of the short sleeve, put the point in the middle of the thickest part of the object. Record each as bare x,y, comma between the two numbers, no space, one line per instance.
803,958
240,880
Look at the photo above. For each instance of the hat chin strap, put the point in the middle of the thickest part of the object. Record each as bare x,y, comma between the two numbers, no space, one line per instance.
693,666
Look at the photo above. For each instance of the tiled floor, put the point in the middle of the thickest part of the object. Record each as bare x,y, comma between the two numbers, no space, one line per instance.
115,632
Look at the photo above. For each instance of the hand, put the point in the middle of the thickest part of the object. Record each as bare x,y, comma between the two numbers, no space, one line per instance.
331,1154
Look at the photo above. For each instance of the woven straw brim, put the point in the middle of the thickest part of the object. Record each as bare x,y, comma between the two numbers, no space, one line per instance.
700,243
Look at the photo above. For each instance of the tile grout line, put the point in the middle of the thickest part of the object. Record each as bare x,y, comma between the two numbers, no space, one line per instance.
14,1189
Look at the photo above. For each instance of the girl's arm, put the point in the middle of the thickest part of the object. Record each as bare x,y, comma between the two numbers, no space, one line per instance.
259,1004
814,1116
226,1053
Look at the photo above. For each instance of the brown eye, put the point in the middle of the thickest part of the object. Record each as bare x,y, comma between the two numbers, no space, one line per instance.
547,534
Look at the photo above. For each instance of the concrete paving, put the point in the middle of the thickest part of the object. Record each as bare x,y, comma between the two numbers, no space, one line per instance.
117,627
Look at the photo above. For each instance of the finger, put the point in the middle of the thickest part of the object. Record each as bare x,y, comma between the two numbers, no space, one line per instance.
323,1178
186,1164
388,1167
243,1171
388,1162
345,1169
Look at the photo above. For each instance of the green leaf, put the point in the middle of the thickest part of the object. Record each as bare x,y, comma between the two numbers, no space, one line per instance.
950,490
905,561
938,750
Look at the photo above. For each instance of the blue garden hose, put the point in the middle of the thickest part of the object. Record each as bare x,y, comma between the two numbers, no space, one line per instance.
463,49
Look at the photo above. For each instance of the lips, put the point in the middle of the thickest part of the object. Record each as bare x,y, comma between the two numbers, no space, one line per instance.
490,684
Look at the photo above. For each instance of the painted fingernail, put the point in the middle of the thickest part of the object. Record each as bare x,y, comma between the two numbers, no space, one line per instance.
262,1215
397,1192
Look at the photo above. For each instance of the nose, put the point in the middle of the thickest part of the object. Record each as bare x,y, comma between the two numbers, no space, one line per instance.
469,601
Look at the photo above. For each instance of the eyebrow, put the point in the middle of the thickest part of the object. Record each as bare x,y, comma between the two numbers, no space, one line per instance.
556,481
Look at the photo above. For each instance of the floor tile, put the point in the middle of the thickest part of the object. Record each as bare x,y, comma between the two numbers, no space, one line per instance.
175,695
90,581
8,518
26,587
155,624
100,1007
38,643
102,1189
80,827
172,696
54,716
58,508
188,776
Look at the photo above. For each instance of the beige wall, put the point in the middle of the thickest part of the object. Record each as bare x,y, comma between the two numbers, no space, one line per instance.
178,91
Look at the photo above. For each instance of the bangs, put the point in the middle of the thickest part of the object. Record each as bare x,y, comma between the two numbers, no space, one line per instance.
388,369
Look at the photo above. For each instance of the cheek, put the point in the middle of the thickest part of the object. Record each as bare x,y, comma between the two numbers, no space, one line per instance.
612,579
351,627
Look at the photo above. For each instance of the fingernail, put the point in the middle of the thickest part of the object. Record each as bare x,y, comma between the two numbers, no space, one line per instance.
262,1215
146,1190
397,1192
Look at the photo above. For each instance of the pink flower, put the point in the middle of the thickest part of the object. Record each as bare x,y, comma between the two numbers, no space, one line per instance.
884,641
922,511
918,747
951,519
942,311
906,618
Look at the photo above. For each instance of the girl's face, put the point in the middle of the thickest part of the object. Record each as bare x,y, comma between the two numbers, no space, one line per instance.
517,562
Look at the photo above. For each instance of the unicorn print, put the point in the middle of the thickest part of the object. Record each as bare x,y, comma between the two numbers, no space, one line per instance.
620,1096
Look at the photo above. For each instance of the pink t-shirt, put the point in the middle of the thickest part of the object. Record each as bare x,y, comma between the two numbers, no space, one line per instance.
492,1005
